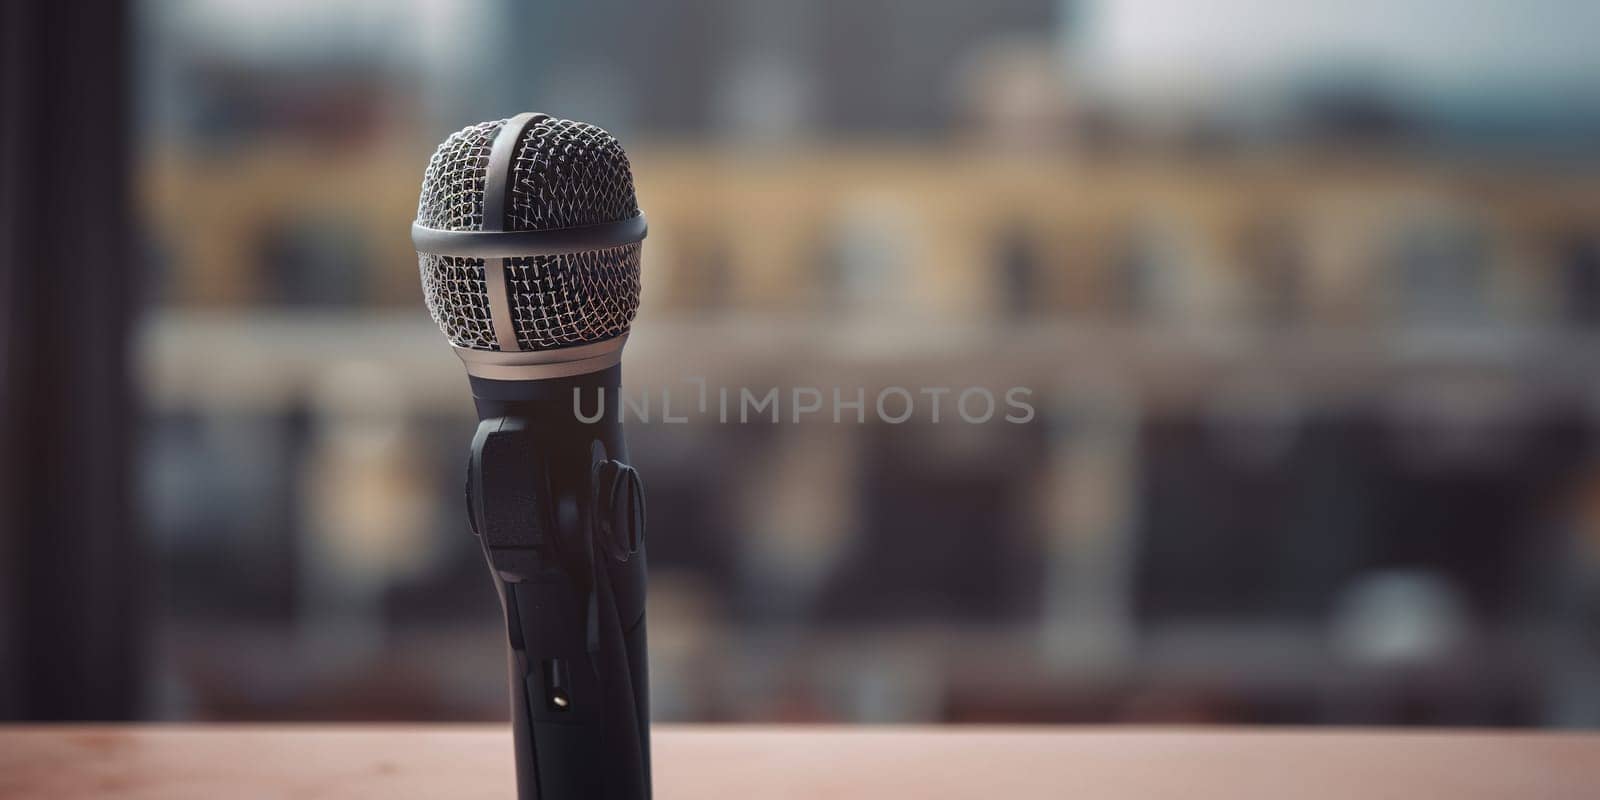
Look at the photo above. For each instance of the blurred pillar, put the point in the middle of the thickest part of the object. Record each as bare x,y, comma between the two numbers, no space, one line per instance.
1090,506
70,572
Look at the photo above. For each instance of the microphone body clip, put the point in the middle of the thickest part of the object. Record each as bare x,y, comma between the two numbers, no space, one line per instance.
560,520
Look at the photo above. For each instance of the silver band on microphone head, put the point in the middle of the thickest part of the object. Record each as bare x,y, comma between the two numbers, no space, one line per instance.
520,244
533,365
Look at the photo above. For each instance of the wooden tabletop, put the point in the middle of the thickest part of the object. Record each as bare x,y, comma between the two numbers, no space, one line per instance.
753,763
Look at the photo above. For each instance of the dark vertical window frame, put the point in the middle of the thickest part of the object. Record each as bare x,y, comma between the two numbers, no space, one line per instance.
72,577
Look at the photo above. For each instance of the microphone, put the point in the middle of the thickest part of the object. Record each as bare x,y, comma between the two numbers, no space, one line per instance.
528,235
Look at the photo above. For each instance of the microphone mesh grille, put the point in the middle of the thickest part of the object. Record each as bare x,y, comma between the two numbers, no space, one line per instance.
564,174
452,199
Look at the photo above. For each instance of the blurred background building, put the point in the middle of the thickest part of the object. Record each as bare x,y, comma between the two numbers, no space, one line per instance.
1307,296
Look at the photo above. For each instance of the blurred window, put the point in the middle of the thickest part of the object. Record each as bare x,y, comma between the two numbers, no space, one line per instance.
1020,274
1273,261
866,253
1580,279
313,261
1439,271
1152,275
704,266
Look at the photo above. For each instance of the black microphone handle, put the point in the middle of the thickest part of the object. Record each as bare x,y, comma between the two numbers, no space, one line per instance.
560,516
